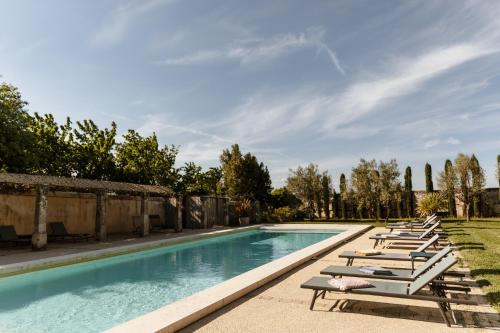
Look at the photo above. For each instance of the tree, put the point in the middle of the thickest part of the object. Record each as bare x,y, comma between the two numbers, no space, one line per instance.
430,203
326,189
389,186
282,197
53,146
408,192
342,196
243,176
141,160
365,186
476,199
399,200
466,181
429,186
93,154
304,183
212,181
16,141
191,180
498,173
448,189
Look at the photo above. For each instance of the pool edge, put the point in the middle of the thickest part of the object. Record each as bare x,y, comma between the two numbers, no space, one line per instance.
177,315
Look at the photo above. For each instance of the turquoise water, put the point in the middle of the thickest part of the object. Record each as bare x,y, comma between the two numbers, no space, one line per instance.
94,296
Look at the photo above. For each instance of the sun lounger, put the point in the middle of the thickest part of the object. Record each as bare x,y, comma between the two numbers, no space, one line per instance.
419,254
393,273
8,234
57,231
379,238
414,223
410,291
414,226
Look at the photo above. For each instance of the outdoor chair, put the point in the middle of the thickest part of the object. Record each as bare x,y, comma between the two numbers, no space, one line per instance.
410,291
414,226
418,255
58,232
8,235
381,237
397,274
427,219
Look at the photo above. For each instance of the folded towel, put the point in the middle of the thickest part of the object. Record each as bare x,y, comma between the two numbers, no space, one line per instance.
375,270
367,252
346,283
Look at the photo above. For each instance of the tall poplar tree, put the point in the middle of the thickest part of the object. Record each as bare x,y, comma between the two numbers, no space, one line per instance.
429,186
342,196
408,192
450,194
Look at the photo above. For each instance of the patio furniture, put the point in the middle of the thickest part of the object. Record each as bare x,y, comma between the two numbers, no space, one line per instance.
381,237
410,291
8,235
414,256
414,226
397,274
57,231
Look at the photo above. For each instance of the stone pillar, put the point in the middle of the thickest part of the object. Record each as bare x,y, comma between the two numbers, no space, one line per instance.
258,212
39,237
226,212
144,215
178,220
100,216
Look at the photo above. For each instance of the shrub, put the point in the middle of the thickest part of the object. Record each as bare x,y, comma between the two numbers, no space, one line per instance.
243,208
287,214
431,203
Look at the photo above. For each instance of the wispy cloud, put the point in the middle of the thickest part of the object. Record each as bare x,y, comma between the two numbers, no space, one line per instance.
117,23
257,50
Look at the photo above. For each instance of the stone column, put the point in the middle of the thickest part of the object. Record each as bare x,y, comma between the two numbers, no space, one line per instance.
144,215
258,212
178,220
39,237
100,216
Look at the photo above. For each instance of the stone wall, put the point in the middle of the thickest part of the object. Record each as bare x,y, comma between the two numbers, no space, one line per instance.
77,211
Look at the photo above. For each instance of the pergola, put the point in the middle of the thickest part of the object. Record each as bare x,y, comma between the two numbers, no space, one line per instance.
18,183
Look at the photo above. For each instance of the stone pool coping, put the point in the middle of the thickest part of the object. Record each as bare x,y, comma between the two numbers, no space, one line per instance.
177,315
60,260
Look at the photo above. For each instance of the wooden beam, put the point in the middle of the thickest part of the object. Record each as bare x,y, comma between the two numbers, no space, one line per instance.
39,237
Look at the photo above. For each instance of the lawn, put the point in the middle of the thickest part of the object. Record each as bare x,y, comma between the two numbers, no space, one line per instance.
478,242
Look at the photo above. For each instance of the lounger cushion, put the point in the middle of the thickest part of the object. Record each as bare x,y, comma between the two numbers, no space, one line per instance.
348,283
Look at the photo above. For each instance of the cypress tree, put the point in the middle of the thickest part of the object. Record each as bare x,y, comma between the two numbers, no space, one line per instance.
325,188
476,201
408,192
343,189
498,174
452,205
429,187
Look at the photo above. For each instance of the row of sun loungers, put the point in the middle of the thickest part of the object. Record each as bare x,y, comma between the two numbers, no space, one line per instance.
428,282
56,232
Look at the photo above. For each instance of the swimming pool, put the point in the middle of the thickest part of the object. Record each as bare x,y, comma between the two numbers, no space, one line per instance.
94,296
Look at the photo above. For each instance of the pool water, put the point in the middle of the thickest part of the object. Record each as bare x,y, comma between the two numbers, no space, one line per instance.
96,295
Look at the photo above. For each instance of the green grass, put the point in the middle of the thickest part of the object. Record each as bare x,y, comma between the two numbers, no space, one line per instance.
479,244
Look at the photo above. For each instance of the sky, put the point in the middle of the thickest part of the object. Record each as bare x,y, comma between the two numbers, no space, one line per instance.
293,82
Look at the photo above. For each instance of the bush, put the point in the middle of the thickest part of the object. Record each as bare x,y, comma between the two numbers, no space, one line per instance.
287,214
431,203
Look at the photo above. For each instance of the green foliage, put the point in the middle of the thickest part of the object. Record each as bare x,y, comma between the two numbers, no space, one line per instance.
389,184
281,197
476,199
16,141
306,184
431,203
408,192
93,152
365,187
54,146
193,181
288,214
326,191
429,186
343,196
244,176
141,160
448,189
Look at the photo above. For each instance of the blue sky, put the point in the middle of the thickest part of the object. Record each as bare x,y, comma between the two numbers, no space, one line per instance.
293,82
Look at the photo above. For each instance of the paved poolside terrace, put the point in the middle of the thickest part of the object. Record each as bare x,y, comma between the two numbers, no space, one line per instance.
281,305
